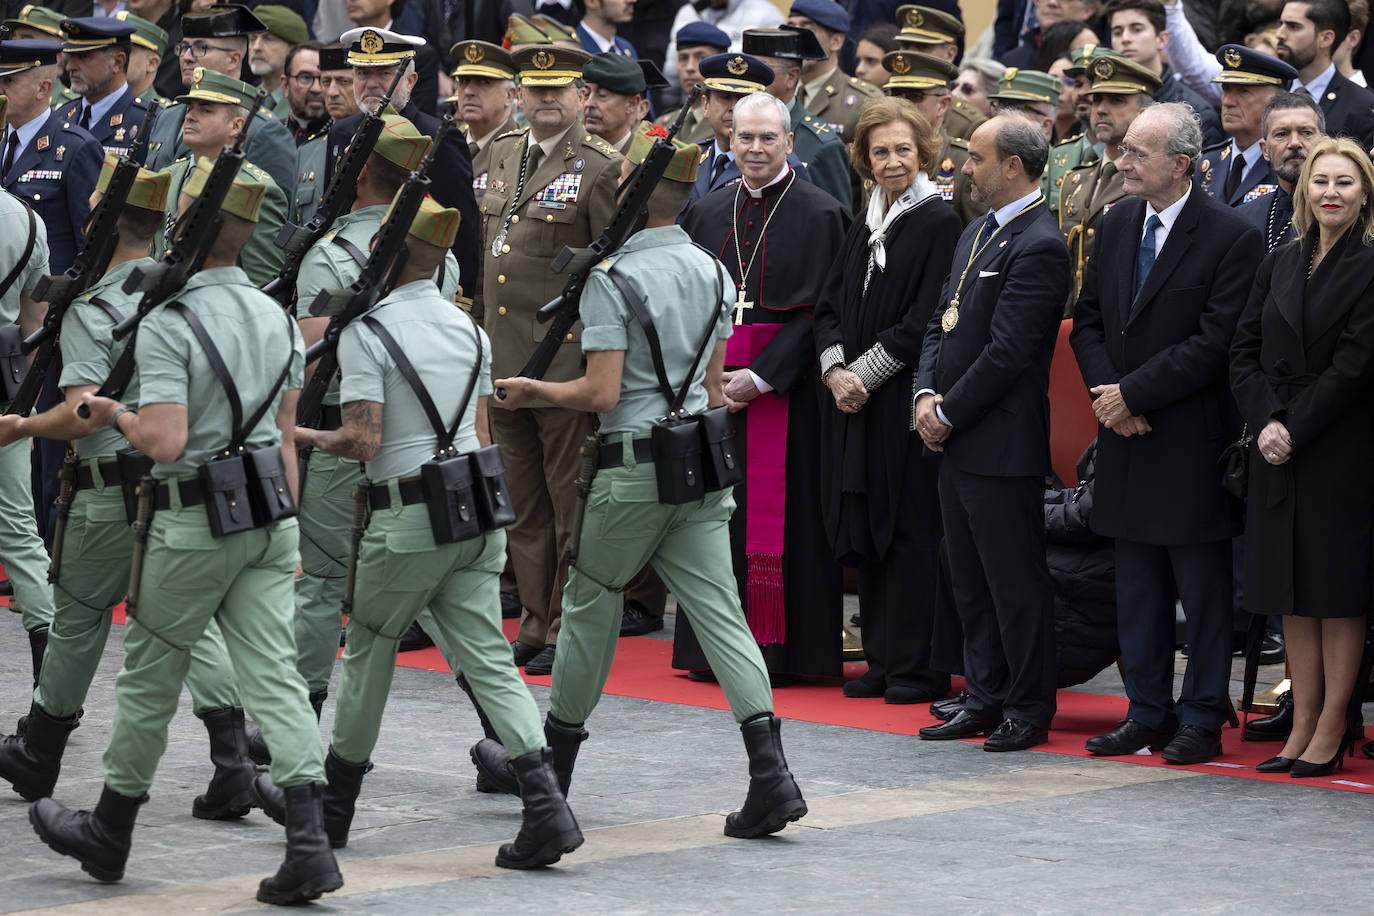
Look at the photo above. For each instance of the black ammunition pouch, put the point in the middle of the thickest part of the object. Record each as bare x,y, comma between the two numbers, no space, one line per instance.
451,498
720,459
224,482
133,467
494,507
13,365
676,443
269,492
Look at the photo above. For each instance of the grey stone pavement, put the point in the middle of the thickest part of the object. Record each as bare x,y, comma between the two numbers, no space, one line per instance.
896,825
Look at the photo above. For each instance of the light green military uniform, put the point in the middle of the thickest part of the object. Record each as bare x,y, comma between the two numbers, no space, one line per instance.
261,259
822,152
624,526
1064,158
401,571
98,542
21,549
311,159
328,481
244,580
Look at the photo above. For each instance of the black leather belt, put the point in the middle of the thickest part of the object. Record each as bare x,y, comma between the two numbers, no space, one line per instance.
412,492
109,471
612,454
191,495
331,416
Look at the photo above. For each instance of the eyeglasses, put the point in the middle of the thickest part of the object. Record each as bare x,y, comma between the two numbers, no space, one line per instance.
1133,153
198,49
306,80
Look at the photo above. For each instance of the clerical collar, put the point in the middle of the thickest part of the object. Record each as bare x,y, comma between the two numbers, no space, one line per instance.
786,170
551,144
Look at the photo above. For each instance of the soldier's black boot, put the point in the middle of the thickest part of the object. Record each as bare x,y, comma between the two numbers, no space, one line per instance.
345,781
774,800
31,763
258,751
547,826
564,738
484,782
309,869
98,839
38,644
497,770
230,793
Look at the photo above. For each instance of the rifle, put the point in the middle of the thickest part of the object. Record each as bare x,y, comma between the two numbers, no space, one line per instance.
562,313
378,276
102,237
196,232
337,198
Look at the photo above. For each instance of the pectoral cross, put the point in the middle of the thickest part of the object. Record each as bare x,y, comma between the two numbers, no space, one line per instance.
742,305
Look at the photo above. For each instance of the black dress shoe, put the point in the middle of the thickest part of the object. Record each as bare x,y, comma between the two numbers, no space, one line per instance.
542,663
510,606
414,638
856,620
1275,727
1276,765
523,653
702,675
905,695
948,708
963,725
6,588
1193,744
1128,737
866,687
636,621
1272,649
1016,735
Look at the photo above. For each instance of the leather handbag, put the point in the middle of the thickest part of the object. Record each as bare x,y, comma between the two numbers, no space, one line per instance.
1235,465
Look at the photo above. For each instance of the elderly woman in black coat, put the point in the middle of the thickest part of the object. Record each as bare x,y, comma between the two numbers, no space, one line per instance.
1302,366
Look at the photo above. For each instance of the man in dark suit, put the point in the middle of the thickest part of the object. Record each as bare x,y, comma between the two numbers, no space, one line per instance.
374,55
981,400
1310,31
1152,329
1293,124
1236,172
98,51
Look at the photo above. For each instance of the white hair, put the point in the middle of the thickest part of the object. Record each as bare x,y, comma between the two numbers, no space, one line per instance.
764,100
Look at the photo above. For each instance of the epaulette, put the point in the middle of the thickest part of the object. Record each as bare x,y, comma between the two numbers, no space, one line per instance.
1215,146
816,124
863,85
253,170
1071,141
519,131
266,114
601,146
959,142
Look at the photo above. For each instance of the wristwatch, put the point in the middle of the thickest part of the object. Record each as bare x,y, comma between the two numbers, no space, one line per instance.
114,420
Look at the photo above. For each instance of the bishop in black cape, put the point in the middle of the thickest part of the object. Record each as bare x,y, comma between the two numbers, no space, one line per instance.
790,586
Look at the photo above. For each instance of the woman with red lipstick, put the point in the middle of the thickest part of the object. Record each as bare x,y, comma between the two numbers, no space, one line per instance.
1302,365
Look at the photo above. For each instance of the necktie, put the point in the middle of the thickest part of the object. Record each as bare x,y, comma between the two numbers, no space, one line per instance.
721,162
991,225
85,117
1145,257
11,150
536,154
1233,176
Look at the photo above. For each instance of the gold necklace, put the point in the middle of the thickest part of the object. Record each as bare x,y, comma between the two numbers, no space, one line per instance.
951,316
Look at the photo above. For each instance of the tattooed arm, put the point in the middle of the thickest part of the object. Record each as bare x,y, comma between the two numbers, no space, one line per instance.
358,438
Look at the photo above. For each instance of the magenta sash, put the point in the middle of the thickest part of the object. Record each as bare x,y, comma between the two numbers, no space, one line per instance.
765,477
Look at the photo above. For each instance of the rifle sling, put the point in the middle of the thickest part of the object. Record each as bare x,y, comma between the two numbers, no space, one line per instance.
407,369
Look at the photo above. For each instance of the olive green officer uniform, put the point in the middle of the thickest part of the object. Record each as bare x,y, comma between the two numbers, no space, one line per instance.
261,259
484,60
481,155
962,119
1077,151
948,175
1089,192
311,159
926,31
328,481
838,100
21,549
695,129
823,153
565,199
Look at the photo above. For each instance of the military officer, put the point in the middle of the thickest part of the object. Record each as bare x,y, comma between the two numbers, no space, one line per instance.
624,526
401,569
818,147
308,122
1121,89
924,80
38,23
215,107
827,91
218,41
551,184
937,33
1084,148
21,548
1236,172
616,98
268,50
1034,94
484,101
97,51
695,42
92,568
243,580
147,45
336,76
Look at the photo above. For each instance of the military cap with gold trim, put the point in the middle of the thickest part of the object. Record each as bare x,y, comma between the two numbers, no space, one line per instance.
37,17
520,31
334,57
1112,75
245,195
914,70
434,224
283,22
400,142
681,168
786,42
549,65
923,25
555,31
149,190
1243,67
1028,86
146,34
481,58
91,33
223,20
1081,58
23,54
379,47
736,74
211,86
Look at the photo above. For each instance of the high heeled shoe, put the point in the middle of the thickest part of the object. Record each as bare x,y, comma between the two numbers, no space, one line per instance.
1276,765
1303,769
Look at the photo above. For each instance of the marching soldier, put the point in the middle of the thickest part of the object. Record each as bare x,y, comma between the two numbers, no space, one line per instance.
1083,148
550,185
91,559
937,33
401,567
1121,89
189,576
213,112
828,92
98,52
217,41
924,80
624,526
147,46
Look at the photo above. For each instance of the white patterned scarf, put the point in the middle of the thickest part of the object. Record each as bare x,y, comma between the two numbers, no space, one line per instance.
879,222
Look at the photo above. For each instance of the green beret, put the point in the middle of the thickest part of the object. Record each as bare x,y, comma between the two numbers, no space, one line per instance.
615,73
284,22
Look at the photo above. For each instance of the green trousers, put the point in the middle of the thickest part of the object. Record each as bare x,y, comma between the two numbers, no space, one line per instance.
326,520
21,549
400,572
624,528
93,578
243,581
